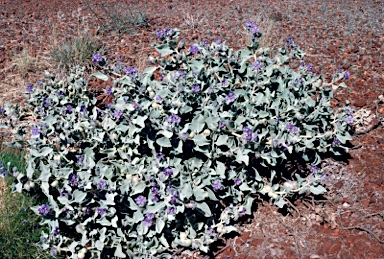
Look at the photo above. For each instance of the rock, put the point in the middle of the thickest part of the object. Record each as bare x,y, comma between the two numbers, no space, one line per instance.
332,48
360,102
335,248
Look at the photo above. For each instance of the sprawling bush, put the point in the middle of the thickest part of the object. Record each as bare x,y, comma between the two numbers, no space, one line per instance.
182,150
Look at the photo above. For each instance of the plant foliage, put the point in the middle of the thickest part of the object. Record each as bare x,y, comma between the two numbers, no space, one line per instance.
182,151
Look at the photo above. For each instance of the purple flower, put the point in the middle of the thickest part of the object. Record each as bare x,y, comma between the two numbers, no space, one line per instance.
169,31
350,119
346,75
155,192
314,169
159,99
242,211
168,171
348,111
204,43
180,74
310,67
173,199
194,49
290,127
174,118
224,82
222,124
231,97
289,41
44,209
131,71
46,101
336,141
118,114
83,108
101,184
148,219
88,211
141,200
302,63
160,156
251,27
56,231
80,159
64,193
256,65
195,88
160,34
69,108
108,90
60,92
96,58
35,131
150,215
101,211
218,41
136,106
29,88
247,133
217,185
164,32
237,181
171,211
73,179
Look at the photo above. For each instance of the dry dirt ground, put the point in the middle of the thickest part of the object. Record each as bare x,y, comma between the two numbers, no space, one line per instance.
349,221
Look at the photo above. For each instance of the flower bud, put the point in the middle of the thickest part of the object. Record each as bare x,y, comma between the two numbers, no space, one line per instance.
80,255
206,132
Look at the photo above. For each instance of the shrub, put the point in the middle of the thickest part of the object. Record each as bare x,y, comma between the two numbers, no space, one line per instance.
183,150
19,226
77,51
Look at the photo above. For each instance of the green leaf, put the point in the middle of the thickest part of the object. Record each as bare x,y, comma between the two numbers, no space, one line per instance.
159,225
164,142
164,241
166,133
186,192
222,140
200,140
119,252
197,124
138,188
140,120
156,207
240,157
204,208
280,203
78,196
150,70
42,152
100,76
200,194
316,190
220,169
164,50
248,205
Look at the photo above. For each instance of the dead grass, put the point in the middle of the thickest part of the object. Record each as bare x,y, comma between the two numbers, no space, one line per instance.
3,191
269,28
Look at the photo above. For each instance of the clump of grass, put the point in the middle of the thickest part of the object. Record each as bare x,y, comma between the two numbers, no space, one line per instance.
77,51
119,17
25,63
19,226
271,37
